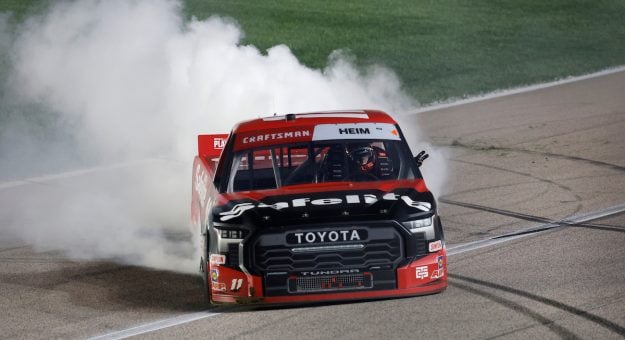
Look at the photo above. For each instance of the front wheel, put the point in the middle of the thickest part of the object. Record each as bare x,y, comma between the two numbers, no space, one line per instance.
204,271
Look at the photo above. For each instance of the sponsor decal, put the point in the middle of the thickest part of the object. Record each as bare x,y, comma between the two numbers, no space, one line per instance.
214,275
435,246
236,211
368,199
257,138
217,259
212,145
236,284
421,272
267,137
218,286
333,272
355,131
219,143
437,274
423,206
326,236
201,184
440,271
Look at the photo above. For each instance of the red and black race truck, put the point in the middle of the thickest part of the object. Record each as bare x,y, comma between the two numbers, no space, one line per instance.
315,207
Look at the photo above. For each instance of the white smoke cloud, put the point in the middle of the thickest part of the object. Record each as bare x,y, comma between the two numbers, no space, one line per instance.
125,80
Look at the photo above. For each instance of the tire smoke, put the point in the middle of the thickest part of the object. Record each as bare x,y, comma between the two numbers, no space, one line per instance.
95,83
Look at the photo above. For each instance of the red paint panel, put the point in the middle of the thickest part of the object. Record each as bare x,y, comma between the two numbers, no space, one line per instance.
211,145
408,285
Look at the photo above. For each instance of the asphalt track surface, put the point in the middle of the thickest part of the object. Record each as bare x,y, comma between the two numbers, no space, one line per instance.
546,164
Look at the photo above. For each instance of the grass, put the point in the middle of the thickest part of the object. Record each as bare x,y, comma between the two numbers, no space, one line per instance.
439,48
22,8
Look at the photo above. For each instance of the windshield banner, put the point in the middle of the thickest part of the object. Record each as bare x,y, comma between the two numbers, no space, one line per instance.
369,131
273,136
356,131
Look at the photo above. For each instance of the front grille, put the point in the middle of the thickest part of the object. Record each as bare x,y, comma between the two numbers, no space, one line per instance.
383,249
299,284
233,255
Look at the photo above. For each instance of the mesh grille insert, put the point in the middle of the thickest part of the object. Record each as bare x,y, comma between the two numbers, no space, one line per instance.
233,255
298,284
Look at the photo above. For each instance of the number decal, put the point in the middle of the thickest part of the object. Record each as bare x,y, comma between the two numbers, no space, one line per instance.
236,284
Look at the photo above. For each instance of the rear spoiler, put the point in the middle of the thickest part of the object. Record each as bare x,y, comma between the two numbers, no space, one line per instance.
210,146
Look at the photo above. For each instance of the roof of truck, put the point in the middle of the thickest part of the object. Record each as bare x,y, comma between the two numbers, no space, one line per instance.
313,118
314,126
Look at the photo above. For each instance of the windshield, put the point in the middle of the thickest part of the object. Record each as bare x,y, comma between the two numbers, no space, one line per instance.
319,162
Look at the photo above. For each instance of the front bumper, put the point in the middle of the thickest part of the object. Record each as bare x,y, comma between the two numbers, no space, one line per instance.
426,275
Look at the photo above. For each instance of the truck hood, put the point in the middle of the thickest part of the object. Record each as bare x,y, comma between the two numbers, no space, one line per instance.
286,208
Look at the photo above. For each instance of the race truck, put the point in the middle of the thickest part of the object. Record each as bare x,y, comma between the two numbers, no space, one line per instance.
315,207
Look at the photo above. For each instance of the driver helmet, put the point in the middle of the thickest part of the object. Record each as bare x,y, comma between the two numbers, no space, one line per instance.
363,157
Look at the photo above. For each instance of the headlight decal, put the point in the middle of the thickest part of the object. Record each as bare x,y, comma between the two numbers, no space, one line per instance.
423,225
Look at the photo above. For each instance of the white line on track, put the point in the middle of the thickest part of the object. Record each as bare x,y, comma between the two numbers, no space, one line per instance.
518,90
452,250
156,325
74,173
469,246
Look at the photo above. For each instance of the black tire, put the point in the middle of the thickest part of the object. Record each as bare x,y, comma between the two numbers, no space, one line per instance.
439,233
204,271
